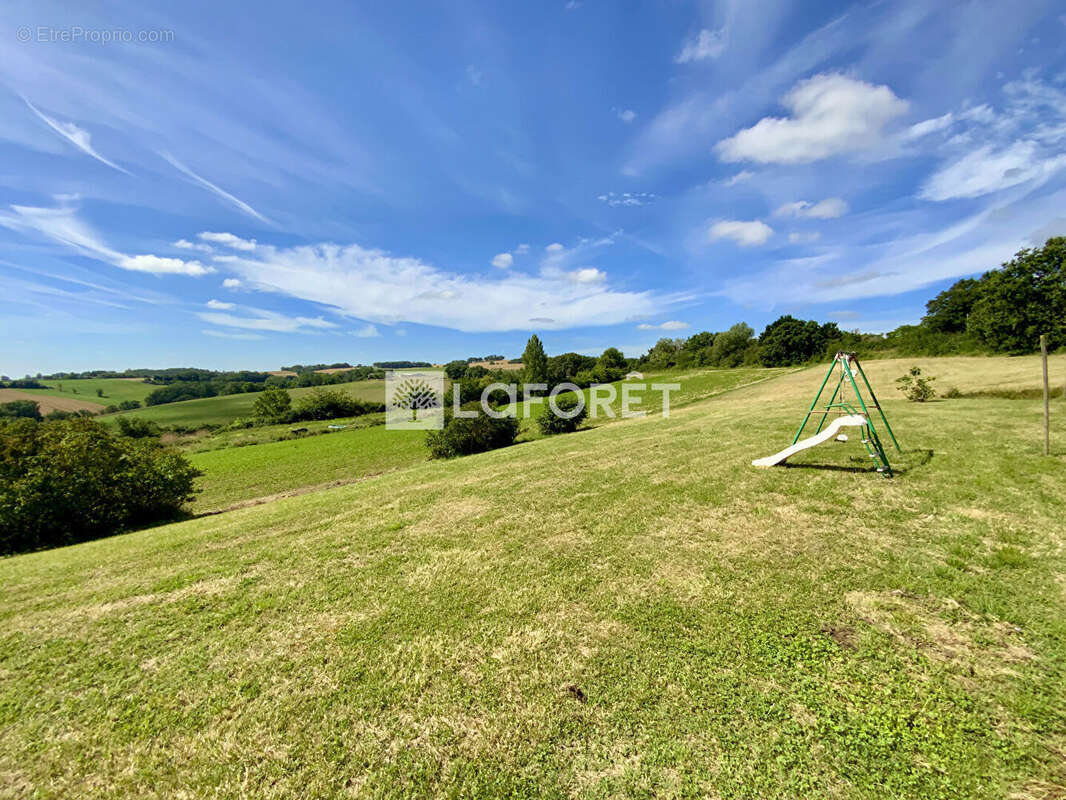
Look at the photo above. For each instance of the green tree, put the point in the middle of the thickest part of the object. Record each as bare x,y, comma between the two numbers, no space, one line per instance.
534,361
1023,299
949,310
788,341
272,404
730,346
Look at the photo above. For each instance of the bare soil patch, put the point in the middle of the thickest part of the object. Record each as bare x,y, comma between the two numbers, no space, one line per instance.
47,403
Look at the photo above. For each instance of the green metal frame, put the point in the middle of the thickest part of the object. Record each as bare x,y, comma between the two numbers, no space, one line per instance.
871,440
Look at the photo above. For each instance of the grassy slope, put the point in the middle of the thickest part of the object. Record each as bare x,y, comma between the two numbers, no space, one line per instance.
224,409
239,474
115,389
789,632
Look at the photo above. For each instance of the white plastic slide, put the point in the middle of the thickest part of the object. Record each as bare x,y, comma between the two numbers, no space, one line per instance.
823,435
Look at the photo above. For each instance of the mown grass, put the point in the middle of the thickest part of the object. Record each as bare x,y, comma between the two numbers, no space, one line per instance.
225,409
627,611
115,389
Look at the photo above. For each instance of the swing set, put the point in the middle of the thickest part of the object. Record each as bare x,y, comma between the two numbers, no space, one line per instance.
847,411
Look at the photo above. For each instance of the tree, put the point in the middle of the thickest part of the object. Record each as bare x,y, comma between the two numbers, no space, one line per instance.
787,341
272,404
730,346
455,370
916,388
535,362
1024,299
949,310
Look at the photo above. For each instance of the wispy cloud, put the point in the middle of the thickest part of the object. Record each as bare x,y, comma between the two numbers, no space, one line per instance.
626,198
236,202
830,208
227,239
218,305
627,115
670,325
79,137
705,44
62,225
368,331
262,320
231,335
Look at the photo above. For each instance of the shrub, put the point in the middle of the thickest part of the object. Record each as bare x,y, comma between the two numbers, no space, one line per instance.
331,404
71,480
461,436
20,408
916,388
272,405
137,428
551,423
952,393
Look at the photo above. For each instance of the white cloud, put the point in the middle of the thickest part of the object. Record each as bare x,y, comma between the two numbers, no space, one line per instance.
368,331
804,238
185,244
62,225
830,208
521,250
231,283
227,239
746,234
78,137
555,247
626,198
262,320
587,275
502,260
671,325
706,44
228,335
220,192
158,265
926,127
627,115
218,305
831,114
740,177
378,287
988,170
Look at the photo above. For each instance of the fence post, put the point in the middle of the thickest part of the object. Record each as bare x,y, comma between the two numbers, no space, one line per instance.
1047,421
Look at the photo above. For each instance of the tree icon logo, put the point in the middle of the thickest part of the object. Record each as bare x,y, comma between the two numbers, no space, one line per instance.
414,400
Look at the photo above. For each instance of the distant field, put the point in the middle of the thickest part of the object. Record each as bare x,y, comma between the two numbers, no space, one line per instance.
47,403
225,409
237,474
115,389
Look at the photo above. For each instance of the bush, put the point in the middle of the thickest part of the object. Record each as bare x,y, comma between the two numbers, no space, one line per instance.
331,404
551,423
916,388
952,393
137,428
272,405
72,480
461,436
20,408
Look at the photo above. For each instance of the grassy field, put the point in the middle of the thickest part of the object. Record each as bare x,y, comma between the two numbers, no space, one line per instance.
225,409
628,611
250,472
115,389
237,474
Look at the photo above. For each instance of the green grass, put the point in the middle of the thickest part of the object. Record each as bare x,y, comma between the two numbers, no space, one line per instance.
225,409
628,611
236,474
115,389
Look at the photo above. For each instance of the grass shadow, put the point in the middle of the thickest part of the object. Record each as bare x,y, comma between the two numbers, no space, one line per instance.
915,458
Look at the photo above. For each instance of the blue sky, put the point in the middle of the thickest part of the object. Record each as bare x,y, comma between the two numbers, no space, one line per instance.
247,185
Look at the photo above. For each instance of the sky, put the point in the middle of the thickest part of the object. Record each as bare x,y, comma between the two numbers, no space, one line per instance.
245,186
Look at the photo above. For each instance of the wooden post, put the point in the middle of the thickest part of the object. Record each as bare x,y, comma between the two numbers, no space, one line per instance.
1047,421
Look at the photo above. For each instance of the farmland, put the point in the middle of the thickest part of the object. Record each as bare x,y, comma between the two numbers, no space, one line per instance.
226,408
630,610
115,390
